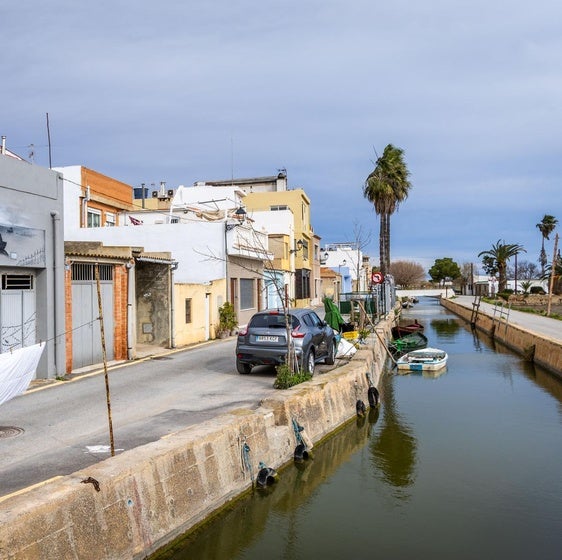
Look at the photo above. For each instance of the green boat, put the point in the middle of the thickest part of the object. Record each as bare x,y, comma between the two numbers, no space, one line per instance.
413,341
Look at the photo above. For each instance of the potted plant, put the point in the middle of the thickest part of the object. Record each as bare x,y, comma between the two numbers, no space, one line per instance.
227,320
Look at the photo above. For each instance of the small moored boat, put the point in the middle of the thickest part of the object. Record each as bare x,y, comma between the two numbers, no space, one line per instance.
411,341
401,330
426,359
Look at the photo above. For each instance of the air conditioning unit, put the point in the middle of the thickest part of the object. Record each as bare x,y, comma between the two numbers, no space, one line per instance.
154,194
170,192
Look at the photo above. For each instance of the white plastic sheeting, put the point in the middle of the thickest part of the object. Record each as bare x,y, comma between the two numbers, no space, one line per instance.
345,349
17,369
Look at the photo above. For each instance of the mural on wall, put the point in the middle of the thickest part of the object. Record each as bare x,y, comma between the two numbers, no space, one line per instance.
22,246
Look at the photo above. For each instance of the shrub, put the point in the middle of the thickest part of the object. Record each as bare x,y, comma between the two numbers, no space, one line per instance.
537,290
287,378
227,317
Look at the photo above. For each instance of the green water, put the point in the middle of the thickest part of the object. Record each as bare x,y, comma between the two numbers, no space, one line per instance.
467,465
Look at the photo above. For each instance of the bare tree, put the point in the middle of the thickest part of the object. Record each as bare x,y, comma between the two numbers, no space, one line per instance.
407,273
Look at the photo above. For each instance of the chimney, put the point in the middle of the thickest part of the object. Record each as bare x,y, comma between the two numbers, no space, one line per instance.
3,149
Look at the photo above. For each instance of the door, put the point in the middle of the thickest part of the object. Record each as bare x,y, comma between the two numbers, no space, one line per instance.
17,312
86,331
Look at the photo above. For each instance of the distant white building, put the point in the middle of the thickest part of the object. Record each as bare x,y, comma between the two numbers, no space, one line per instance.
347,259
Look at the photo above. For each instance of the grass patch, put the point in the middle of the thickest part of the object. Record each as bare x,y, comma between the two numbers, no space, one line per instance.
541,312
533,310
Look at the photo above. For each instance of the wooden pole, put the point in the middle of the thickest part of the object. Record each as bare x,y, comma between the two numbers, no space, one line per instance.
376,332
552,274
107,395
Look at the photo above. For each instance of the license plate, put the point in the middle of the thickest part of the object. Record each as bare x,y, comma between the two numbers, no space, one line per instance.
261,338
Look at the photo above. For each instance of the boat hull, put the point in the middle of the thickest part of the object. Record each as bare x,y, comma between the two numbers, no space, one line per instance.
428,359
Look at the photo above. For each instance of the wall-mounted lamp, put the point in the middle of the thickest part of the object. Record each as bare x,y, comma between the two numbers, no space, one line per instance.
240,215
298,247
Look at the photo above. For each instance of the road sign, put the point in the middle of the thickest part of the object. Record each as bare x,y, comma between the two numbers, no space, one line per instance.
377,278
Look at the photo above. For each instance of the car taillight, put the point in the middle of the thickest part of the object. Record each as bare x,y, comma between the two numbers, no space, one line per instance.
243,331
296,333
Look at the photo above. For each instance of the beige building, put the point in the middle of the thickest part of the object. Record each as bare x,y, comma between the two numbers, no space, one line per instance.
303,248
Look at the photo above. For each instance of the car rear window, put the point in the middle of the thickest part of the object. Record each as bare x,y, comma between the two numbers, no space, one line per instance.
273,321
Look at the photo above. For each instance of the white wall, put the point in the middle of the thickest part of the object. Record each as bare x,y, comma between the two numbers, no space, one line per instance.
337,256
280,221
197,246
72,191
214,198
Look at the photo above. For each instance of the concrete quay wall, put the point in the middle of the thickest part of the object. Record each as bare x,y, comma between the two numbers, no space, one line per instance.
150,495
537,348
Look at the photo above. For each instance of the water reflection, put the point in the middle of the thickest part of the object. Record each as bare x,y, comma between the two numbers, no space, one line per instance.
393,447
446,328
244,522
465,468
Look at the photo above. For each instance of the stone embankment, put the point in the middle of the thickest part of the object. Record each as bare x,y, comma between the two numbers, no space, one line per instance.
534,346
133,504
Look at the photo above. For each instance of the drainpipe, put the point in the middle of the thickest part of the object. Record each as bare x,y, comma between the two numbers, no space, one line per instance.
131,310
173,267
55,218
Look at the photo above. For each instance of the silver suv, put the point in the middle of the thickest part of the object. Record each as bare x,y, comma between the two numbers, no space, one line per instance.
264,340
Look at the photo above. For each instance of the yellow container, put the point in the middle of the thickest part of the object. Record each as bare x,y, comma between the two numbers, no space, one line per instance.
350,335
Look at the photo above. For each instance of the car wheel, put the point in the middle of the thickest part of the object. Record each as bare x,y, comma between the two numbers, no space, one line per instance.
308,362
331,357
242,367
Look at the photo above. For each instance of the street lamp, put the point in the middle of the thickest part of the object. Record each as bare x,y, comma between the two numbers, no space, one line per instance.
298,247
240,216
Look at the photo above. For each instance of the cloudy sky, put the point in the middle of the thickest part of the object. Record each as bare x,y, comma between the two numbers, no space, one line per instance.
183,91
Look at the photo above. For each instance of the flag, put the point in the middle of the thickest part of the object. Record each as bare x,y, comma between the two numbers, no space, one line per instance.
135,222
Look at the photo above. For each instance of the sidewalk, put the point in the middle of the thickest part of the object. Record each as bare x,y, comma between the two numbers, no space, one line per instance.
542,326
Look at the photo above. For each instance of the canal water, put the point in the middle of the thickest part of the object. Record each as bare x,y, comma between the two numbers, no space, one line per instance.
464,465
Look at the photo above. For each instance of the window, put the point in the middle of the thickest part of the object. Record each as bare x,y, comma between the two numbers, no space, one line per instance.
86,272
278,207
17,282
109,219
246,293
188,310
94,218
305,249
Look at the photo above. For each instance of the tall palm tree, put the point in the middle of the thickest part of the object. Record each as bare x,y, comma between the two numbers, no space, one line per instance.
546,227
386,187
499,255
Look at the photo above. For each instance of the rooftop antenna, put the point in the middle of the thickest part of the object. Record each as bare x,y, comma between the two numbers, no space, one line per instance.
231,160
49,140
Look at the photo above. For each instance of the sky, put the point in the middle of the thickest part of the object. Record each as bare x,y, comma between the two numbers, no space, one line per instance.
183,91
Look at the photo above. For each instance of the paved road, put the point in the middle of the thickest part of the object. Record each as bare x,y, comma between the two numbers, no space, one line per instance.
544,326
64,423
65,426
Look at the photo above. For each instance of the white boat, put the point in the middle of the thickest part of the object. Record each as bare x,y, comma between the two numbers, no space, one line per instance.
425,359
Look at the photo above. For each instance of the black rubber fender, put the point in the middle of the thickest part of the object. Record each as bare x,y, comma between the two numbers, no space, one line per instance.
374,397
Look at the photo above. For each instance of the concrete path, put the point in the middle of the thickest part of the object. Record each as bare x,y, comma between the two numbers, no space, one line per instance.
542,326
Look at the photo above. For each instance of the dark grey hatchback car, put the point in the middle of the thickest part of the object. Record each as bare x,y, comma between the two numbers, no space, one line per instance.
264,340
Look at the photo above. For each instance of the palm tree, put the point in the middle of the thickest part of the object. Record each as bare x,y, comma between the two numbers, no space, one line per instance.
546,227
498,256
386,187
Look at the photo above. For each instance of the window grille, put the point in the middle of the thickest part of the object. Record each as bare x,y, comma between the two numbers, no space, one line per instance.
85,272
17,282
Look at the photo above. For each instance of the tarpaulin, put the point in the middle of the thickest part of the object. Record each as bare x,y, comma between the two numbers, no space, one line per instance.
17,369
